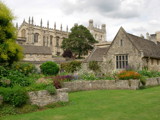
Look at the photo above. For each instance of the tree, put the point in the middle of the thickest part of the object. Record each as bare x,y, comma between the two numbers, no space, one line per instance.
9,50
80,41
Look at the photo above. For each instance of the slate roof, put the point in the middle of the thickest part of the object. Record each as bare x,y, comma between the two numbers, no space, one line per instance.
28,49
97,54
150,48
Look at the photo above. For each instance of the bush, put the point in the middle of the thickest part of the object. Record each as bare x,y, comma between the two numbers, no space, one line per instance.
51,89
67,54
25,68
149,73
18,78
71,67
88,76
126,75
57,80
49,68
15,96
93,65
3,72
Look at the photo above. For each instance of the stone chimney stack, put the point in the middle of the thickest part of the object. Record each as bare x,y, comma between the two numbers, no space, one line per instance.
29,20
158,36
147,36
41,23
55,25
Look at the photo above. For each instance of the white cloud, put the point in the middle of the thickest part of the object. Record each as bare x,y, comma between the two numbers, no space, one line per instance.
136,16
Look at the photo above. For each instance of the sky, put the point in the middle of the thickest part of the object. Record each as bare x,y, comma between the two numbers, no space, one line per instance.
135,16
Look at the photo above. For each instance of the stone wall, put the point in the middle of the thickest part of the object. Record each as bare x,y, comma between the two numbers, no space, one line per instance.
102,84
43,97
108,84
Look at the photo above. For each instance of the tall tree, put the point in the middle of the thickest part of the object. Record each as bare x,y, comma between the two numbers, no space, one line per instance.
9,50
80,41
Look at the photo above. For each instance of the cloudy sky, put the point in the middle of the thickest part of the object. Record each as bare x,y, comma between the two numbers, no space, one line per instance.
135,16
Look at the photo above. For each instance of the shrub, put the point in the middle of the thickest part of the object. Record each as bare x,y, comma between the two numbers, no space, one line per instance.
57,80
51,89
88,76
149,73
49,68
71,67
93,65
126,75
15,96
67,53
3,72
25,68
18,78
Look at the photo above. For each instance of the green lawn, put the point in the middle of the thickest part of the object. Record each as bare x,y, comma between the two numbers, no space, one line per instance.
103,105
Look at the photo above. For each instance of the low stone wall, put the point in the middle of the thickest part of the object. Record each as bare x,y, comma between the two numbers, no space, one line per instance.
108,84
153,81
1,100
43,97
101,84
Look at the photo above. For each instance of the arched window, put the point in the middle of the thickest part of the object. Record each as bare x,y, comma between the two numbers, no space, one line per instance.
51,39
121,42
43,40
36,37
57,41
23,33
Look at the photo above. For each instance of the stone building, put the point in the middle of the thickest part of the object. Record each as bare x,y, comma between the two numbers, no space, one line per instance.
34,35
127,50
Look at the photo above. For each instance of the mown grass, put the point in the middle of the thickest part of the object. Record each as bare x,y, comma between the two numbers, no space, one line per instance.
103,105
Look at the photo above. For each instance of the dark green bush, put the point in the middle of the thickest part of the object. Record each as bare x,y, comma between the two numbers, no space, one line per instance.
3,72
71,67
49,68
51,89
93,65
25,68
15,96
149,73
18,78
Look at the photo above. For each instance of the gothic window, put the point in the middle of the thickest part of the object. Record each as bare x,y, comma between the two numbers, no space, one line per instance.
51,39
43,40
23,33
121,61
36,37
57,41
121,42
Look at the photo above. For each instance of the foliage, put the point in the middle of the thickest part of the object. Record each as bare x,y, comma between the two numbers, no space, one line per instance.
51,89
15,96
126,75
10,51
71,67
49,68
67,54
149,73
25,68
79,41
7,110
18,78
57,80
88,76
93,65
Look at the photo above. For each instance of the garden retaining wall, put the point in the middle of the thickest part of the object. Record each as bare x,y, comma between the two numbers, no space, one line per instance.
108,84
43,97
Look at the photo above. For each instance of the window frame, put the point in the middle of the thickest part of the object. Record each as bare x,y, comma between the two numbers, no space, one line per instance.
121,61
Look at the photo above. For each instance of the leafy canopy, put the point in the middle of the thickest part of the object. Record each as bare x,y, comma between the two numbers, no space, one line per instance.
80,41
9,50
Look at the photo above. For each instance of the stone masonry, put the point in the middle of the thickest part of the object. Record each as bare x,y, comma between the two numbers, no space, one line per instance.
43,97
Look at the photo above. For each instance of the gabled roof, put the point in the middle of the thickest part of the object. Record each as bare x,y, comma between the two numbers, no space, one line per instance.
28,49
149,48
97,54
